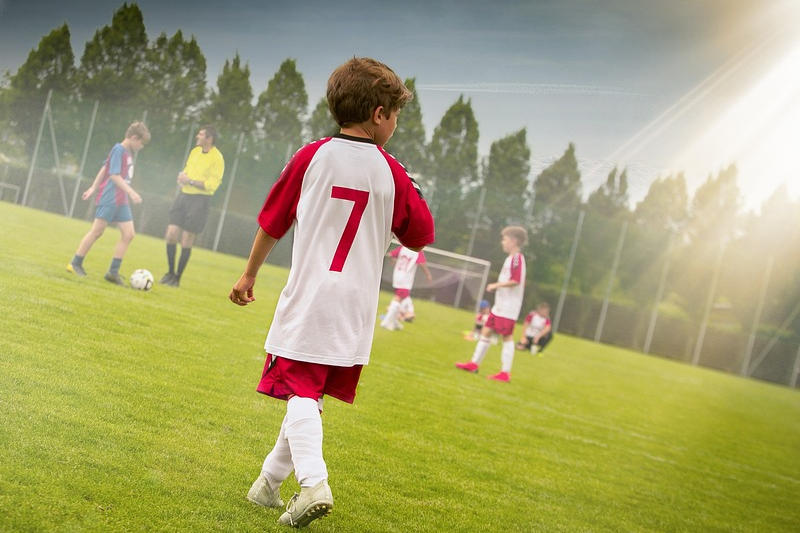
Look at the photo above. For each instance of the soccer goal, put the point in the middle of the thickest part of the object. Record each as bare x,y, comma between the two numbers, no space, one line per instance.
458,280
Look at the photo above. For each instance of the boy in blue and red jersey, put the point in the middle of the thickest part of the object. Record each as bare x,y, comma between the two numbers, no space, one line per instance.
113,188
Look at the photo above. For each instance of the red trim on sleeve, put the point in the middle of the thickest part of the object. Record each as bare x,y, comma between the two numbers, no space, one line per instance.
395,252
421,258
529,317
412,222
280,208
516,268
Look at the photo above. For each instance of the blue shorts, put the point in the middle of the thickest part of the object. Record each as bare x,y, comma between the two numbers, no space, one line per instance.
114,213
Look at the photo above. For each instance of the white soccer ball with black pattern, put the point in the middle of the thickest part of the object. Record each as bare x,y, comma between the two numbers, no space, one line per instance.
142,280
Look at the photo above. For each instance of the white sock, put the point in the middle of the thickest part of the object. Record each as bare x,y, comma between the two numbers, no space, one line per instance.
278,464
407,306
391,314
304,433
480,350
507,356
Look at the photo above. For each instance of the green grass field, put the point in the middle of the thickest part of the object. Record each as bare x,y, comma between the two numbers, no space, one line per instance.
122,410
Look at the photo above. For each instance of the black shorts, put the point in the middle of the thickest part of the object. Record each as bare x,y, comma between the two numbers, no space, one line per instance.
190,212
543,340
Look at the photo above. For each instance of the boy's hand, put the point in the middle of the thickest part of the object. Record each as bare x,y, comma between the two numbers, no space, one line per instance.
88,192
135,198
491,287
242,291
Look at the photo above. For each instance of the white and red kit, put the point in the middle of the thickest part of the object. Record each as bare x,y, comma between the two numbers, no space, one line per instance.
535,324
508,300
346,196
406,267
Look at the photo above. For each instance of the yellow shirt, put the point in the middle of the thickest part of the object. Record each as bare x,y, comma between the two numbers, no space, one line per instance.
206,167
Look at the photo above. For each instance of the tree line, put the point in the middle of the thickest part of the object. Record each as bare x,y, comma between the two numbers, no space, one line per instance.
472,197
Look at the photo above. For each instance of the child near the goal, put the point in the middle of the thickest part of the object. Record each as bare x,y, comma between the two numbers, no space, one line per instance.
510,287
538,330
346,196
405,268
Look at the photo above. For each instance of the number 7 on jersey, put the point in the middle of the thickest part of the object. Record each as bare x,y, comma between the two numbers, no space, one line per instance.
359,199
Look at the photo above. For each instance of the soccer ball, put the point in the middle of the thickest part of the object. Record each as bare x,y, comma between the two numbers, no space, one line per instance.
142,280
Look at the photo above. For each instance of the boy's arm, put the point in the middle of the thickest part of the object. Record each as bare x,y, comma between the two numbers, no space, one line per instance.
93,187
427,271
119,182
242,291
498,284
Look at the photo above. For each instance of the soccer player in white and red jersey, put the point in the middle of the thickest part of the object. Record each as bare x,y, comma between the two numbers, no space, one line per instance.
346,196
405,268
510,287
538,329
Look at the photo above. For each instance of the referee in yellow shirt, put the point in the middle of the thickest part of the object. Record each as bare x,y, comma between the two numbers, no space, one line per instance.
189,212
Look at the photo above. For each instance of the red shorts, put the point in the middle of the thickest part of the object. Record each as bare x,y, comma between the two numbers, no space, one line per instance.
283,378
402,293
500,325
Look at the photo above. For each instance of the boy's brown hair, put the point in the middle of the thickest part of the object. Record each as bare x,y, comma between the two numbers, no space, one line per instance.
138,129
359,86
518,233
211,131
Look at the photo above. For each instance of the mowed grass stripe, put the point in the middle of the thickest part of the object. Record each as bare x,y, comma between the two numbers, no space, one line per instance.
124,411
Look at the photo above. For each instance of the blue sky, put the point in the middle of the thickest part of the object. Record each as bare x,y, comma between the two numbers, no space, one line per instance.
592,73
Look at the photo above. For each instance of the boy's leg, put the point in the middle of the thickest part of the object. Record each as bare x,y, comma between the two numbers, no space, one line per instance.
127,233
390,320
304,434
507,354
98,227
479,353
276,468
407,307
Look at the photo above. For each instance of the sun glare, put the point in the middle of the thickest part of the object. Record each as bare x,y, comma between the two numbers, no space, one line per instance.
760,133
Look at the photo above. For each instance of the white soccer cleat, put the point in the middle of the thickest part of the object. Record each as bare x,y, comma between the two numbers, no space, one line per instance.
312,503
261,493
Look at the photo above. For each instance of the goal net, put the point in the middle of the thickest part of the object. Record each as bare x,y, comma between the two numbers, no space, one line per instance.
458,280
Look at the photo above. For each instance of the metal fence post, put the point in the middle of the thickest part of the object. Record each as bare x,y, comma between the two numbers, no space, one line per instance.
57,160
228,193
698,347
796,370
601,321
83,159
36,148
751,341
568,273
460,288
651,327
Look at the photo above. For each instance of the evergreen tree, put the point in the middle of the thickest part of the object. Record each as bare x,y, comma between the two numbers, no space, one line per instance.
557,191
666,204
453,169
611,198
176,73
113,66
408,142
229,107
49,66
505,178
558,188
320,123
281,108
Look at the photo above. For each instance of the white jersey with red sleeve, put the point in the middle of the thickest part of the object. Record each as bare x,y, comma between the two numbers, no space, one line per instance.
346,196
508,300
405,267
535,324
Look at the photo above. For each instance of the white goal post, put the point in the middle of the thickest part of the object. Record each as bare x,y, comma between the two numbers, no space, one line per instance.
458,280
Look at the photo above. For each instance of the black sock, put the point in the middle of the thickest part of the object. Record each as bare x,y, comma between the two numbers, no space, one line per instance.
185,253
171,257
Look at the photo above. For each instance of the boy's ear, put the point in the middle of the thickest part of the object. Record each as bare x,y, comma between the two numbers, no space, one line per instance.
378,115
